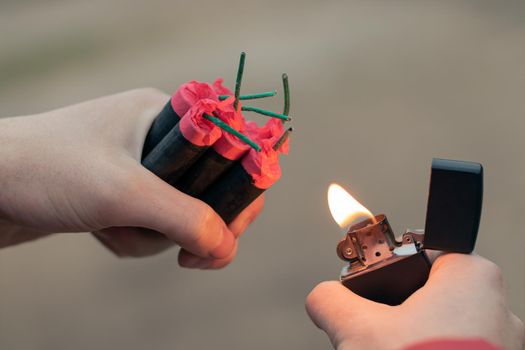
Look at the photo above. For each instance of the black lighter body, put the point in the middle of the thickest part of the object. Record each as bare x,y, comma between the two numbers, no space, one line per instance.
387,270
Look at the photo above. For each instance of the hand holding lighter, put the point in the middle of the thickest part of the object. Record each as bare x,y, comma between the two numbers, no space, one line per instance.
383,269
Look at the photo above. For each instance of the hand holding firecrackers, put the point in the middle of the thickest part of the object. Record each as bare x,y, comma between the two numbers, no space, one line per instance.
77,169
201,144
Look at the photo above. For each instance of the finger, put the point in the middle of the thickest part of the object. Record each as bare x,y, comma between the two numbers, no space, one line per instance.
467,267
149,202
121,119
133,242
12,234
332,306
458,276
189,260
247,216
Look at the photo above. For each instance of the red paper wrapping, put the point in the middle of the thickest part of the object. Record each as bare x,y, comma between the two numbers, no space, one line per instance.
221,89
229,146
198,130
271,131
189,93
263,166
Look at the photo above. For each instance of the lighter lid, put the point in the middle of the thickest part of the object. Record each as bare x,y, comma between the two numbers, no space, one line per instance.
454,205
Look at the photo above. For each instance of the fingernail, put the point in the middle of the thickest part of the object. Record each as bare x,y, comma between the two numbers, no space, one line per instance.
225,247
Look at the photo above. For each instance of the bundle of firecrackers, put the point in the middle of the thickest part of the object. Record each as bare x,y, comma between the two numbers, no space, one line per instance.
201,144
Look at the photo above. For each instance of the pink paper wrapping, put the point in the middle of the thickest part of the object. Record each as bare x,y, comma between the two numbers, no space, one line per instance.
221,89
271,131
229,146
198,130
262,166
189,93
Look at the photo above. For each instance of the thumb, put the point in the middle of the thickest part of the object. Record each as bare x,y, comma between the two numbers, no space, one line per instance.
332,307
151,203
450,267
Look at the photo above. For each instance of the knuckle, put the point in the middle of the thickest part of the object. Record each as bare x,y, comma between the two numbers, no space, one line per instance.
202,221
223,263
317,301
318,294
311,301
450,259
491,270
143,98
205,218
148,93
259,205
479,268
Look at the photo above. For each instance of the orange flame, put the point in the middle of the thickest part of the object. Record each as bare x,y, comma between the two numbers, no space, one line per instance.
345,209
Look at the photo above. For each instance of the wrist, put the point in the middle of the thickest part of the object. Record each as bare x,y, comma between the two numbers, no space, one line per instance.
11,155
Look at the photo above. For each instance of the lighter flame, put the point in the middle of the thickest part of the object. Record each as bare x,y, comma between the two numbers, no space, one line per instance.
345,209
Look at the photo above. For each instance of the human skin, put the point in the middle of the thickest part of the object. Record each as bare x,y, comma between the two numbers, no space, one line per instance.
77,169
463,298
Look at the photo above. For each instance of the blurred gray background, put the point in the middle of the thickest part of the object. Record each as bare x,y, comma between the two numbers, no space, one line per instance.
379,88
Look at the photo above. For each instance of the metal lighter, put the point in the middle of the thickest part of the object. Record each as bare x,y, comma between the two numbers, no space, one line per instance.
384,269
